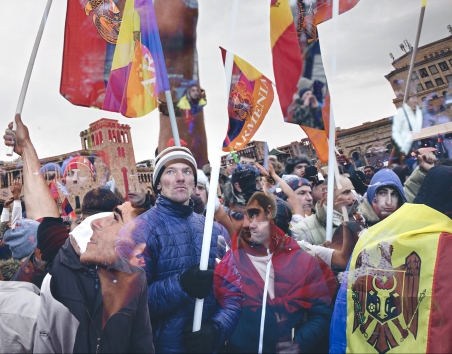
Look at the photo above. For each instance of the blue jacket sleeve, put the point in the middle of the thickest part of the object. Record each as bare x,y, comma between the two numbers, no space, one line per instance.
228,292
338,338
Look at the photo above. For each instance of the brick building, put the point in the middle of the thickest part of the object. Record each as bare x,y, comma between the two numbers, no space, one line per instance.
108,145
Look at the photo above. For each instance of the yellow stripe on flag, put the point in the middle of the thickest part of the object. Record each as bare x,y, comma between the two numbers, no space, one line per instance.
250,71
280,19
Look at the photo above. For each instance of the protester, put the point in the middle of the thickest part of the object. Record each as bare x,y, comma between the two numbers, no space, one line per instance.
262,247
173,235
369,172
231,165
297,165
106,295
243,160
313,228
307,111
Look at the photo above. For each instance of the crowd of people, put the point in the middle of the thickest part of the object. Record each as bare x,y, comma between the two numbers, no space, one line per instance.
125,276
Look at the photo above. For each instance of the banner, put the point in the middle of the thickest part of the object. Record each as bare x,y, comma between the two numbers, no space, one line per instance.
250,97
112,56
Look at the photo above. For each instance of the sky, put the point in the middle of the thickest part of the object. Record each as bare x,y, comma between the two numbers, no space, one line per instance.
364,38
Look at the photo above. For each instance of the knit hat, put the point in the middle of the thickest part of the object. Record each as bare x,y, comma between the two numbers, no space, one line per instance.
202,179
294,182
303,91
99,200
51,237
383,178
169,156
23,239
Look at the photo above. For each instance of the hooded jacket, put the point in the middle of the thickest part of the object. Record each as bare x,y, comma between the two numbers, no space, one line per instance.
385,177
173,234
307,293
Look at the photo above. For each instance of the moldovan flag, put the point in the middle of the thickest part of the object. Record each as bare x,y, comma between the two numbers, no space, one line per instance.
66,209
397,295
112,56
250,97
287,61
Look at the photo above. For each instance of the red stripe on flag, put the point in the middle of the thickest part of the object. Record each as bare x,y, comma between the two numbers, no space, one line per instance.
440,323
287,66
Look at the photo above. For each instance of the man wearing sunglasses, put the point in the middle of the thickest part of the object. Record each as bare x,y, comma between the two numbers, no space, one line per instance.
295,286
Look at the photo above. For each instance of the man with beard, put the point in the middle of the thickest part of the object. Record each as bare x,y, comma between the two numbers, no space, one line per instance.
369,172
271,263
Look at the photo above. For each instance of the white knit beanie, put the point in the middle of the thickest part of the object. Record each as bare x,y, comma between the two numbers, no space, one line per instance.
202,179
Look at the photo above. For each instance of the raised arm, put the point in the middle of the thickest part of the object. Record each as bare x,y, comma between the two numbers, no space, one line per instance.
38,202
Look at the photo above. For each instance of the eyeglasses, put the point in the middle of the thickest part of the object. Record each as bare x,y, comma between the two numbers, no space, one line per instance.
236,215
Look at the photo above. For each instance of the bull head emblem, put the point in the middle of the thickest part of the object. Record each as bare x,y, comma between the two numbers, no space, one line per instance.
381,302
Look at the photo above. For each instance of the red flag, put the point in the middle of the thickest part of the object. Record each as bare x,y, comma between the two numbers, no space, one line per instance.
324,10
53,190
66,209
287,61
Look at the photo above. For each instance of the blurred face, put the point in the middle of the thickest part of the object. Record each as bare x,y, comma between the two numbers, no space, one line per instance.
237,214
247,160
344,196
300,169
201,191
259,185
101,248
386,201
194,92
317,193
304,196
306,95
230,167
78,176
177,183
256,225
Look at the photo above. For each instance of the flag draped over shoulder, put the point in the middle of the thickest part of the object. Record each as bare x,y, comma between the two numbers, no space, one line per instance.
397,294
250,97
287,60
112,57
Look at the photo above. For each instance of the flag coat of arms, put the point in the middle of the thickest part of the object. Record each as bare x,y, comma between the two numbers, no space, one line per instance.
112,56
396,295
250,97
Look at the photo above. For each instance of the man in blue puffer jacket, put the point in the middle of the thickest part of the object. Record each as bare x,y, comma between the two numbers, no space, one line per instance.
173,235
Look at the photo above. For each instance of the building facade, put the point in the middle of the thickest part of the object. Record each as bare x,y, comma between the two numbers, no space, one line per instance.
107,146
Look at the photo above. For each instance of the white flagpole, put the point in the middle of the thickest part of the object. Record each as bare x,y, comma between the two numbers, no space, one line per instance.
31,62
332,135
215,175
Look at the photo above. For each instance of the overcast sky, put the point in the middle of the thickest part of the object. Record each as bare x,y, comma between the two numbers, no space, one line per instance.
360,93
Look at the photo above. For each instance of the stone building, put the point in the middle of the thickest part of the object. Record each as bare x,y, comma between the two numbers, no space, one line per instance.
432,73
254,149
107,146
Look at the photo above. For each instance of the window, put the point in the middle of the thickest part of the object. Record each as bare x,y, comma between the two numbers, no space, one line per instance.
439,81
419,87
449,78
429,84
443,66
450,61
433,69
423,72
77,202
414,76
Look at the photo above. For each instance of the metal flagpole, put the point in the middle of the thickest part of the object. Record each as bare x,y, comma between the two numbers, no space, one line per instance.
31,62
215,175
413,56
